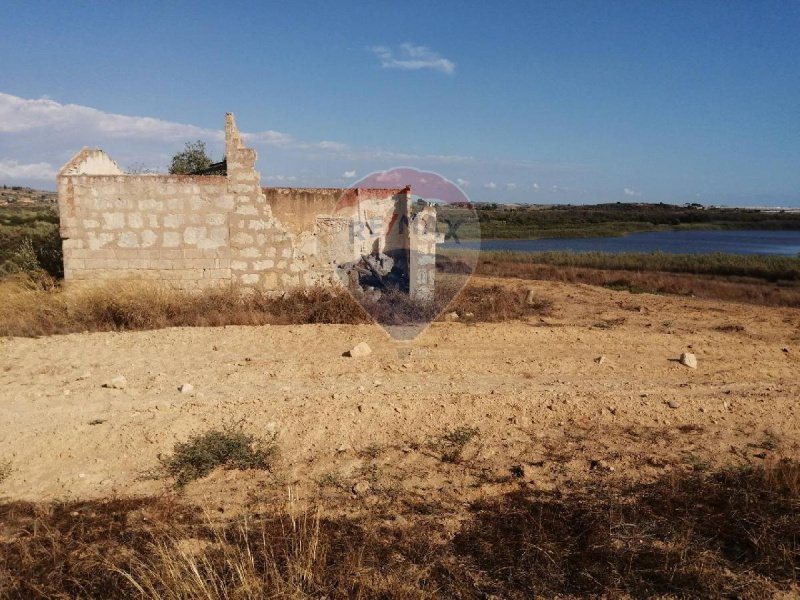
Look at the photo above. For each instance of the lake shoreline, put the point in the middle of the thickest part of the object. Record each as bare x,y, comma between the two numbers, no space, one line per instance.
784,243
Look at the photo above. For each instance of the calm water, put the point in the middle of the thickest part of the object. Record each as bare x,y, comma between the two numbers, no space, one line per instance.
782,243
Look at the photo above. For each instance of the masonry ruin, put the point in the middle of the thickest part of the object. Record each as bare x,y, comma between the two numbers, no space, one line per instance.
212,230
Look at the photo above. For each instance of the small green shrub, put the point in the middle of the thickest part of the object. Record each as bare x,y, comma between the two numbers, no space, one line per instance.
229,447
454,442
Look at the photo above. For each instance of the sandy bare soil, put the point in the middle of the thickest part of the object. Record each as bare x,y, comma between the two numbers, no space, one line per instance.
534,389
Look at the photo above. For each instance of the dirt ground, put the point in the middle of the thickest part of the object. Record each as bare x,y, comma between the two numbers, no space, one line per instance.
548,413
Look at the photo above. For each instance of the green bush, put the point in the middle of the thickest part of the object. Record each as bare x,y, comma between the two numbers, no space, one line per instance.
229,447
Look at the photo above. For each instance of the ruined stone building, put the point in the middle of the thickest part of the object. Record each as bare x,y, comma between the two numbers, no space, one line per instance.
198,231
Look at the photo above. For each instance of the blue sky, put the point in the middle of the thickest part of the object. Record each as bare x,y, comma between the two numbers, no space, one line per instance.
517,101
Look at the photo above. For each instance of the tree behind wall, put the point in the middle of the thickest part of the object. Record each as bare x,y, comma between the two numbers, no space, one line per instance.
193,158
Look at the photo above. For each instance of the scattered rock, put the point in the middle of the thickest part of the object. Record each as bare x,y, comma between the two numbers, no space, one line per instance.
600,360
673,404
689,360
186,388
451,316
360,350
84,375
517,471
361,488
118,383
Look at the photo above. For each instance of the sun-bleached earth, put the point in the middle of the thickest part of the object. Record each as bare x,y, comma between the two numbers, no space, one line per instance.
547,411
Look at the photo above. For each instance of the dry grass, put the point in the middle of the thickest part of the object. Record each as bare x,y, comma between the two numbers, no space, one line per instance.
734,533
33,307
650,280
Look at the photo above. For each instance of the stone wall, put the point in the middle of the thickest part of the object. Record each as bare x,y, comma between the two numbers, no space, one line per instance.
167,228
208,231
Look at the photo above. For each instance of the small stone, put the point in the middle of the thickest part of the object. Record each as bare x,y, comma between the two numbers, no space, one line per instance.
186,388
118,383
600,360
360,350
452,316
84,375
361,488
673,404
689,360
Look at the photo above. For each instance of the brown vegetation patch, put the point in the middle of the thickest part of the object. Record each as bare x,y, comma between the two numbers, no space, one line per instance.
734,533
31,307
649,280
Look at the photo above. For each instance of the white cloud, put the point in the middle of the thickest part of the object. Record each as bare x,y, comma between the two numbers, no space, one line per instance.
349,174
18,115
11,169
511,186
23,115
280,178
630,192
462,182
535,187
413,58
490,186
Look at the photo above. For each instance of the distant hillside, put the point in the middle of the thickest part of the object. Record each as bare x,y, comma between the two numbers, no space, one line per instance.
17,195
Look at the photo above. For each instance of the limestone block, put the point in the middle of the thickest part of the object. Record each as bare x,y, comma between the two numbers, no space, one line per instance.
150,205
249,278
198,203
191,235
173,220
216,219
218,234
208,243
149,238
270,281
72,243
99,240
263,265
224,202
115,220
243,239
246,209
172,238
289,281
